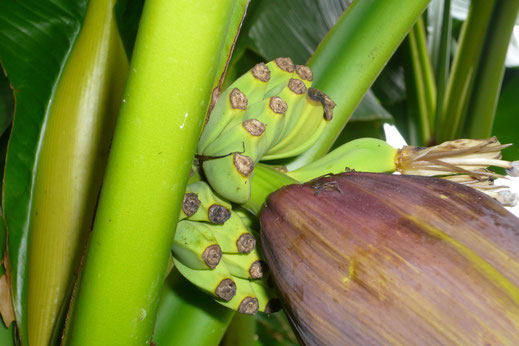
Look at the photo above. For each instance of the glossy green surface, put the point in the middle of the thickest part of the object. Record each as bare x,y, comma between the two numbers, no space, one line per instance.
172,73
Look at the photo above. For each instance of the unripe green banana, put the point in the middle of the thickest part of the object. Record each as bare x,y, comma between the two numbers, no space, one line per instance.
270,112
245,300
217,282
316,113
363,154
246,266
233,236
196,247
201,204
230,176
230,106
248,219
254,83
294,93
266,295
281,70
246,137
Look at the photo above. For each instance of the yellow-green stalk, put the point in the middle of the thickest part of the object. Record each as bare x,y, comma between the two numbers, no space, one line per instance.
167,95
70,168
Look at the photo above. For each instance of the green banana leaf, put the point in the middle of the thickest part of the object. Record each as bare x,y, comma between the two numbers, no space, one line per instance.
6,103
35,39
506,125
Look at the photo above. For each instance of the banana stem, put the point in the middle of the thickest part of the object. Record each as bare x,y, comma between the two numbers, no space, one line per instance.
465,65
166,98
241,331
352,55
266,180
188,316
487,82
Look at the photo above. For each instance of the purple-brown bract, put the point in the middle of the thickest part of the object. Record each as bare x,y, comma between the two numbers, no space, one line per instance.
365,258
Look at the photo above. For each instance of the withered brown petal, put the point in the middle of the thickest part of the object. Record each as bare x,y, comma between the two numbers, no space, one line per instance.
365,258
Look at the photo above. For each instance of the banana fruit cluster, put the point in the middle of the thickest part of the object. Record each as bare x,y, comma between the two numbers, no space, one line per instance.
271,112
215,251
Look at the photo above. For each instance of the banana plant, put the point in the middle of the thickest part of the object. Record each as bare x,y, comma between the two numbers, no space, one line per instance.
141,139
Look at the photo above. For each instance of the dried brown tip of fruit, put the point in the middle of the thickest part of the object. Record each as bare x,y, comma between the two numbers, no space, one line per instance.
190,204
273,306
238,99
246,243
248,306
326,101
257,269
278,105
226,289
218,214
304,72
243,164
254,127
296,86
212,255
286,64
261,72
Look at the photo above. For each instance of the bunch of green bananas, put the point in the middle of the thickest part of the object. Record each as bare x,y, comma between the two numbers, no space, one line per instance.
215,251
271,112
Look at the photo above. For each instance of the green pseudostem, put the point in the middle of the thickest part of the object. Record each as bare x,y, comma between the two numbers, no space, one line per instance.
169,87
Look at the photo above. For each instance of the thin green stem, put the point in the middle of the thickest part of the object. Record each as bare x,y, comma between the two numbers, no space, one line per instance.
188,316
440,55
352,55
487,82
266,180
429,83
424,89
173,69
465,65
241,331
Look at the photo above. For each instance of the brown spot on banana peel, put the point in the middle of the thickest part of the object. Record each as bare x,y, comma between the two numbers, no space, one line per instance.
390,261
248,306
218,214
296,86
246,243
254,127
212,255
304,72
238,99
226,289
257,269
286,64
278,105
326,101
190,204
243,164
261,71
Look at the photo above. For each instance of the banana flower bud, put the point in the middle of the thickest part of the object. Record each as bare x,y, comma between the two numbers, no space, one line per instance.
367,258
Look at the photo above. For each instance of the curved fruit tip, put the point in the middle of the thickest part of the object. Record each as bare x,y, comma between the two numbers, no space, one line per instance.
226,289
212,256
218,214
